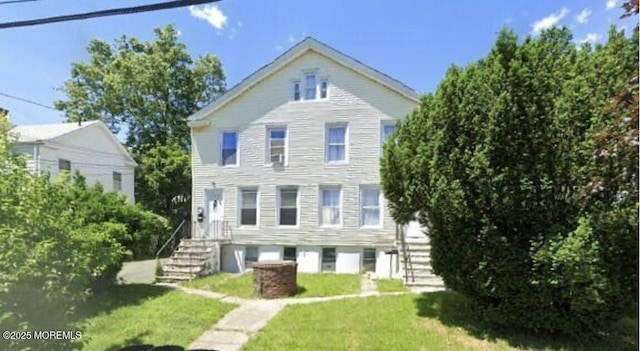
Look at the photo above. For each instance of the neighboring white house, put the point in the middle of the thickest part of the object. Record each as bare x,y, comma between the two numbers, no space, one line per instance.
286,164
89,147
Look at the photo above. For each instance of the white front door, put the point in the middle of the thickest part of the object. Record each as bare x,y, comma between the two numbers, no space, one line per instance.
215,213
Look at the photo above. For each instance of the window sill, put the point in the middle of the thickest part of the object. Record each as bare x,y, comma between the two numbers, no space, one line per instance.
371,227
249,227
287,227
330,226
336,163
230,166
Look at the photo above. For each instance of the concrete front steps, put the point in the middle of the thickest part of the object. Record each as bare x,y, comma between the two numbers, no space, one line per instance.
419,273
188,261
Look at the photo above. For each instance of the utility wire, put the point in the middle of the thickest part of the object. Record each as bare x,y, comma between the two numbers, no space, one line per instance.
27,101
105,13
15,1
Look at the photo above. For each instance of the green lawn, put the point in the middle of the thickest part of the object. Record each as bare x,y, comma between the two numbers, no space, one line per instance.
309,285
436,321
390,285
144,314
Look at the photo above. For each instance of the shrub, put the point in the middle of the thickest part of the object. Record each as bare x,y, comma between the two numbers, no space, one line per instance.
503,165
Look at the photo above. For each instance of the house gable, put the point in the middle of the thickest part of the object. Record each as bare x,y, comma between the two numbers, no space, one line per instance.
307,47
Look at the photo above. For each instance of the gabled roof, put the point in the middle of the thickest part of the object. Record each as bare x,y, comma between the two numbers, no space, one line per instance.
42,133
293,53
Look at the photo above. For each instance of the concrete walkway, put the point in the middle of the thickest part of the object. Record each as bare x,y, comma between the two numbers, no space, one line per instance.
138,272
236,327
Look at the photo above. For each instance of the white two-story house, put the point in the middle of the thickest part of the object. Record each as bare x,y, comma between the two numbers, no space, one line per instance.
89,148
286,164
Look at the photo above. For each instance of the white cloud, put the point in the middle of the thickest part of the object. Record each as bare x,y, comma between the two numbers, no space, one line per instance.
549,21
292,39
583,17
240,24
611,4
209,13
591,38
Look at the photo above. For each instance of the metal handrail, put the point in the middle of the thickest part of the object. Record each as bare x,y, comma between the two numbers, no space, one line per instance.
170,238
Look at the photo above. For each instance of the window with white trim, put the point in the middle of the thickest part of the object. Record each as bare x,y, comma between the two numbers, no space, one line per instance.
328,259
369,259
336,143
250,256
288,206
385,132
229,148
277,144
249,207
117,181
296,90
330,206
290,254
370,209
324,88
310,87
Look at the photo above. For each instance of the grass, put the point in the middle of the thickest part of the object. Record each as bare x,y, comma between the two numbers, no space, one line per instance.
309,285
144,314
435,321
390,285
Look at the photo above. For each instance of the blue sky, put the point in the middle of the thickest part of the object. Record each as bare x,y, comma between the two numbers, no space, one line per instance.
412,41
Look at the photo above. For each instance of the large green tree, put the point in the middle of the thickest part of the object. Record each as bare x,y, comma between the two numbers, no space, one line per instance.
145,91
532,211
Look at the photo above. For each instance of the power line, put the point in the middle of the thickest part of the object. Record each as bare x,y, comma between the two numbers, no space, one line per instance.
27,100
105,13
15,1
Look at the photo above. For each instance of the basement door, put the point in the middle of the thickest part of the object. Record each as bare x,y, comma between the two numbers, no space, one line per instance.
215,213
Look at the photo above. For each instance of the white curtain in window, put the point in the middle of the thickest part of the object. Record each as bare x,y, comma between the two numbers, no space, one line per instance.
331,207
336,143
370,207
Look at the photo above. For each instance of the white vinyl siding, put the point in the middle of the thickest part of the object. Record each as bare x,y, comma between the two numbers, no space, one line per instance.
229,148
336,143
370,209
249,207
330,206
288,207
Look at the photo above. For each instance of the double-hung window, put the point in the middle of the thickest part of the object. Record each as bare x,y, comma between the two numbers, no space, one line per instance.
117,181
296,90
229,148
370,209
336,143
277,144
249,207
288,207
324,88
310,87
330,206
386,131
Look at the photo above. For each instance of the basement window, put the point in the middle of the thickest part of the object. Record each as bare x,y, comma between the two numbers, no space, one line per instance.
329,259
290,254
369,259
251,256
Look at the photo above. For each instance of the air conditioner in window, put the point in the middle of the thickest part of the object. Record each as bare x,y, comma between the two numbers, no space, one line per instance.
279,158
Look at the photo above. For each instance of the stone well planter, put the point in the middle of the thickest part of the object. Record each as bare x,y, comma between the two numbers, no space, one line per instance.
273,279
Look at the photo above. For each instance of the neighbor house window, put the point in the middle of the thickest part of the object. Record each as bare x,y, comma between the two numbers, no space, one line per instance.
117,181
310,87
329,259
288,207
251,256
386,131
290,254
370,207
277,144
296,91
330,203
229,148
336,143
369,259
249,207
64,165
324,86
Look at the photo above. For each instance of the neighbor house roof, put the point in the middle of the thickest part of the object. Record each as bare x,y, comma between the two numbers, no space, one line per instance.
42,133
296,51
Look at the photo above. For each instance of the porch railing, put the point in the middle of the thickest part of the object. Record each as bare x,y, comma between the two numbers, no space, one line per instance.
218,230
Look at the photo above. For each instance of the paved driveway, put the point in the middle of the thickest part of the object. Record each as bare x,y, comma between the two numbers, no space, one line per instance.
138,272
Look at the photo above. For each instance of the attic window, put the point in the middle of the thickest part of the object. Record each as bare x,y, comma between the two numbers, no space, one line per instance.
310,87
296,91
